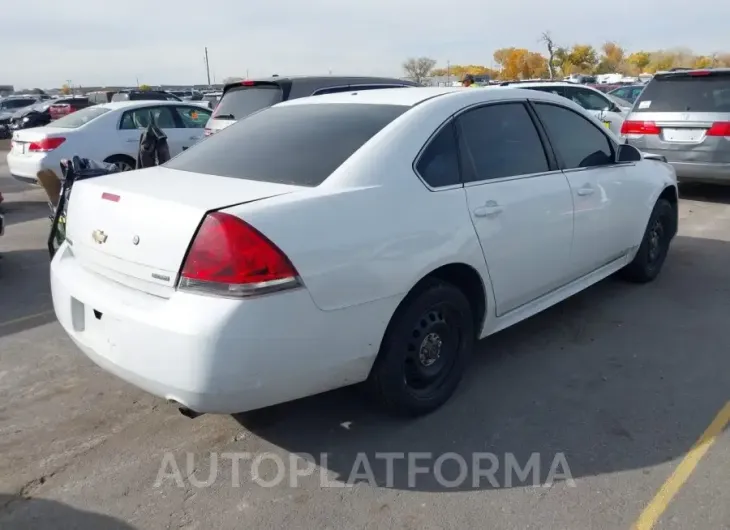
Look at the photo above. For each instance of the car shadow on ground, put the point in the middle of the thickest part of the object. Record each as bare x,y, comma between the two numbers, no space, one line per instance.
705,193
620,377
21,513
25,299
22,211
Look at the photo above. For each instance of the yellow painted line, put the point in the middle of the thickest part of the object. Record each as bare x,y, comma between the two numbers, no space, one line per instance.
23,319
671,487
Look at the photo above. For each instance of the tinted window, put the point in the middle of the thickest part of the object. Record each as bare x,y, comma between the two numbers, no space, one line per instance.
500,141
297,144
439,162
686,94
588,99
79,118
575,139
17,103
140,118
239,102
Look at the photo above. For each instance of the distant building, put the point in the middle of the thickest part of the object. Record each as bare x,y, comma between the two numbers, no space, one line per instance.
6,90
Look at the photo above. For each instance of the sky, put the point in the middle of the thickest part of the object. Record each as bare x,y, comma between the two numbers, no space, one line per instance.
46,43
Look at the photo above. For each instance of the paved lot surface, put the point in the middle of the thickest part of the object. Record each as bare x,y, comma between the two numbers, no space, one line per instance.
622,380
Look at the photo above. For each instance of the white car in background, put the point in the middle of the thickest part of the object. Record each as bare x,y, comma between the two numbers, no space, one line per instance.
592,100
108,132
371,235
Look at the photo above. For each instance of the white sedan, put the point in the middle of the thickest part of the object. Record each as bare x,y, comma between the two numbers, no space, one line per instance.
351,237
108,132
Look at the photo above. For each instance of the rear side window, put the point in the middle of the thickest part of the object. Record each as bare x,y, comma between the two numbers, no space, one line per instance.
500,141
240,102
684,93
299,144
80,117
439,162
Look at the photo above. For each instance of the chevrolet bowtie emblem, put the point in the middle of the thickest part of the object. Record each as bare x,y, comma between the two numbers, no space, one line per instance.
99,236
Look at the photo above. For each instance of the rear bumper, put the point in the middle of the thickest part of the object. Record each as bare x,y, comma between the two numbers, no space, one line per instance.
25,168
214,354
692,171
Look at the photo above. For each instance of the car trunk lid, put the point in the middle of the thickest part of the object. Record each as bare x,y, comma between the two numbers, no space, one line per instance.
135,227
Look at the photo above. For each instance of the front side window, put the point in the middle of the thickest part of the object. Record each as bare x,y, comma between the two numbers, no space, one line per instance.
500,141
578,142
193,117
438,164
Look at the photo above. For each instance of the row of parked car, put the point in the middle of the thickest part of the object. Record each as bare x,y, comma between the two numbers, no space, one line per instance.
35,110
682,114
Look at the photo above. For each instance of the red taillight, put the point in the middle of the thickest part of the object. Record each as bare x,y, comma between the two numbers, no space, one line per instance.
247,83
699,73
228,257
45,145
110,197
719,128
639,127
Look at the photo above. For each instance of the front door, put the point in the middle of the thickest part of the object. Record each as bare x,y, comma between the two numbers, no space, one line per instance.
599,185
520,204
191,122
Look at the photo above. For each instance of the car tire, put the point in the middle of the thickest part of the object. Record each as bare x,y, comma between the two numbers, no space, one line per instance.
123,162
426,348
648,262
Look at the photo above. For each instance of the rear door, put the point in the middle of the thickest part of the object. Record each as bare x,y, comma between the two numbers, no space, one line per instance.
134,122
520,203
685,116
241,101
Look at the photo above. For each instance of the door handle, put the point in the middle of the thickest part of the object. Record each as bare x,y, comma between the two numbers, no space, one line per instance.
133,141
194,138
490,209
585,191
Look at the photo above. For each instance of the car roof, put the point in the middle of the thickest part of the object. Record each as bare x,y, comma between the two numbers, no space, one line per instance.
117,105
410,97
679,72
330,80
528,84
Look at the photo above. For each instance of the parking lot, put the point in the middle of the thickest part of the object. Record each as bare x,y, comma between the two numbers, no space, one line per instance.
621,380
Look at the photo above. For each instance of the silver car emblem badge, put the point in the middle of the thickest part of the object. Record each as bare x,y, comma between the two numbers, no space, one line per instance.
135,240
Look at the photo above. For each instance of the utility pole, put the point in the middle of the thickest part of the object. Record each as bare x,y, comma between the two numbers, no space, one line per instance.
70,86
448,73
207,65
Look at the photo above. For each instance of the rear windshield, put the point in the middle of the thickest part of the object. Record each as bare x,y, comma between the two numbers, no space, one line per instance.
239,102
80,117
686,94
17,103
299,144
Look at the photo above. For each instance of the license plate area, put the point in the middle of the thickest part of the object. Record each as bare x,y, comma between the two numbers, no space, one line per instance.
19,148
683,135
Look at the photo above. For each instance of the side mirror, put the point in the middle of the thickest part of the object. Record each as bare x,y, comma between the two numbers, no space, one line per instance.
628,153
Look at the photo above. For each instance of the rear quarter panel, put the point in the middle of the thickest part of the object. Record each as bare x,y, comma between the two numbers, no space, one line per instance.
373,229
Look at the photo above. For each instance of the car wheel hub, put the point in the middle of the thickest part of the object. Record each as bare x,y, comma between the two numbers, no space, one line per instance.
430,349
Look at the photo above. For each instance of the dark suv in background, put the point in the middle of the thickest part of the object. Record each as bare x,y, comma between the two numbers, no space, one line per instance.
684,115
246,97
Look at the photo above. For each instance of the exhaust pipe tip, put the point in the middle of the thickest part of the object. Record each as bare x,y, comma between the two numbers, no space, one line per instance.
185,411
188,413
